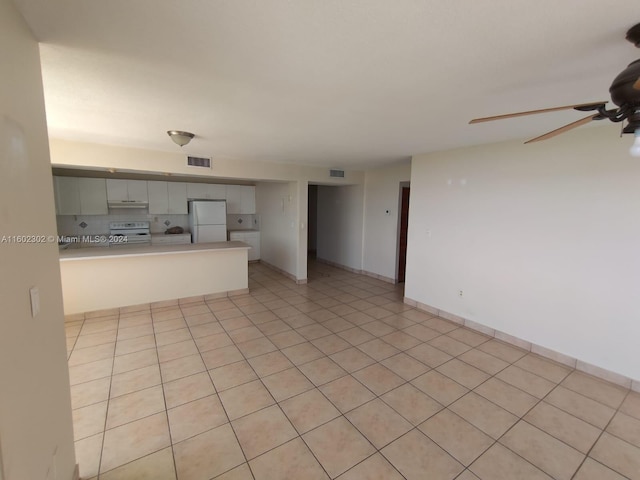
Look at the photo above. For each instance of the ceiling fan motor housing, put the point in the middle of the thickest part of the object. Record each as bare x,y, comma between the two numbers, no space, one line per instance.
622,91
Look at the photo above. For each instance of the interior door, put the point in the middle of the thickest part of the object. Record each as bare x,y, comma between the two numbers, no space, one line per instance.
404,228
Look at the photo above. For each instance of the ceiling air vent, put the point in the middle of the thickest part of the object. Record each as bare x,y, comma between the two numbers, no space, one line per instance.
202,162
336,173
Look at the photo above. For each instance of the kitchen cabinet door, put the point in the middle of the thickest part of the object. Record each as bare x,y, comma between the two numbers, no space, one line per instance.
241,199
206,191
234,199
158,198
253,239
177,197
93,196
127,190
197,191
137,190
117,190
250,238
217,192
248,199
67,195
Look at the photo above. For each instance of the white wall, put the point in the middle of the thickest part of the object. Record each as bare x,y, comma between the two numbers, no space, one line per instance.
382,194
35,405
69,154
542,239
276,205
340,215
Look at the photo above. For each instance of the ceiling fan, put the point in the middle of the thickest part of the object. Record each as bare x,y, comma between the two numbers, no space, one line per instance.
625,93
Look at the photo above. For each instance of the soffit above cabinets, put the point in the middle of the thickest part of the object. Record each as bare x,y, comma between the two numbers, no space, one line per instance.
73,172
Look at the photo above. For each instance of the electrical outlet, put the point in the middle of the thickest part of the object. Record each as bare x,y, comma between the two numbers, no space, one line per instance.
460,292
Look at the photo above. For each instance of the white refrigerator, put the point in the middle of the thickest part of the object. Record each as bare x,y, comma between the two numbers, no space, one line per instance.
208,221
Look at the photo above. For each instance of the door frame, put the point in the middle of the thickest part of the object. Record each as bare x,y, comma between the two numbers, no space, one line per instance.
401,186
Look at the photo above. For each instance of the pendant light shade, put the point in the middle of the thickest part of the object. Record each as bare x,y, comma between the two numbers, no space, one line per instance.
180,138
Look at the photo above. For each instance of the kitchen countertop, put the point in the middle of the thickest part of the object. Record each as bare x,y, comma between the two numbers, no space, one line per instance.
162,234
243,230
140,250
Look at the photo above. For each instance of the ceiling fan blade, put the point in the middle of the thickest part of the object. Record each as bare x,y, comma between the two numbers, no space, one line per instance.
566,128
636,85
533,112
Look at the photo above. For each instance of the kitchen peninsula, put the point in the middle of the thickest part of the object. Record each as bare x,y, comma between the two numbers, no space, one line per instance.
107,277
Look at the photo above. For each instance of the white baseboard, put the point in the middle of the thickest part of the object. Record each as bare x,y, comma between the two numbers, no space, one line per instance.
567,360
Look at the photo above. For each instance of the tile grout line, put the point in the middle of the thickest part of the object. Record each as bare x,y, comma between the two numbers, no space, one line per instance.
602,432
106,416
277,291
221,403
246,359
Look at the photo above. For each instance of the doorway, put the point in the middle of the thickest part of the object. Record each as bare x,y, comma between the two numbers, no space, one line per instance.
312,222
403,230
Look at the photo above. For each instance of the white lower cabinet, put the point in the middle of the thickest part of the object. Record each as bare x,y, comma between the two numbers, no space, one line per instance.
251,238
174,239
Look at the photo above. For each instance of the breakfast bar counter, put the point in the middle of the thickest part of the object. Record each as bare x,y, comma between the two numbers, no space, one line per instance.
107,277
136,250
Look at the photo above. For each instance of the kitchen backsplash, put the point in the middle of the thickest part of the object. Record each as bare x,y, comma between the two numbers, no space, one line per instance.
242,222
99,224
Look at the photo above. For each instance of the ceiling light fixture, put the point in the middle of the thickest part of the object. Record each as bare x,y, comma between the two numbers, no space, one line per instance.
180,138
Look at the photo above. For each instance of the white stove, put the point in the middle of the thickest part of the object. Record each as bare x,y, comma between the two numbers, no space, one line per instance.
129,233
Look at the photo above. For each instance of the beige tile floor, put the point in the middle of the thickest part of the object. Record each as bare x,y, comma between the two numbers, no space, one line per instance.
333,379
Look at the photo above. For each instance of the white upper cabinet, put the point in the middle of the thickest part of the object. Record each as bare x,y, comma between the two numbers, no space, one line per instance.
248,203
137,190
196,190
167,197
241,199
117,190
67,195
218,192
206,191
127,190
158,197
177,192
93,196
80,196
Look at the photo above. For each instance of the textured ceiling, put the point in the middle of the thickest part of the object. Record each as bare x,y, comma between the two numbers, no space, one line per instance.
340,83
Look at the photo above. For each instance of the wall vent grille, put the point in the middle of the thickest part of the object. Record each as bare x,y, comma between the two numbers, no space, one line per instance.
336,173
201,162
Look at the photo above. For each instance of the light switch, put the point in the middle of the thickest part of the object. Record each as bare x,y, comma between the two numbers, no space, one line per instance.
34,293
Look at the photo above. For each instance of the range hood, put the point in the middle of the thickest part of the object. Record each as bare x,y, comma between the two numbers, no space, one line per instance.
127,204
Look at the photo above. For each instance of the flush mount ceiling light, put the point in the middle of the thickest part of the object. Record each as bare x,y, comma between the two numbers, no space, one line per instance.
180,138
